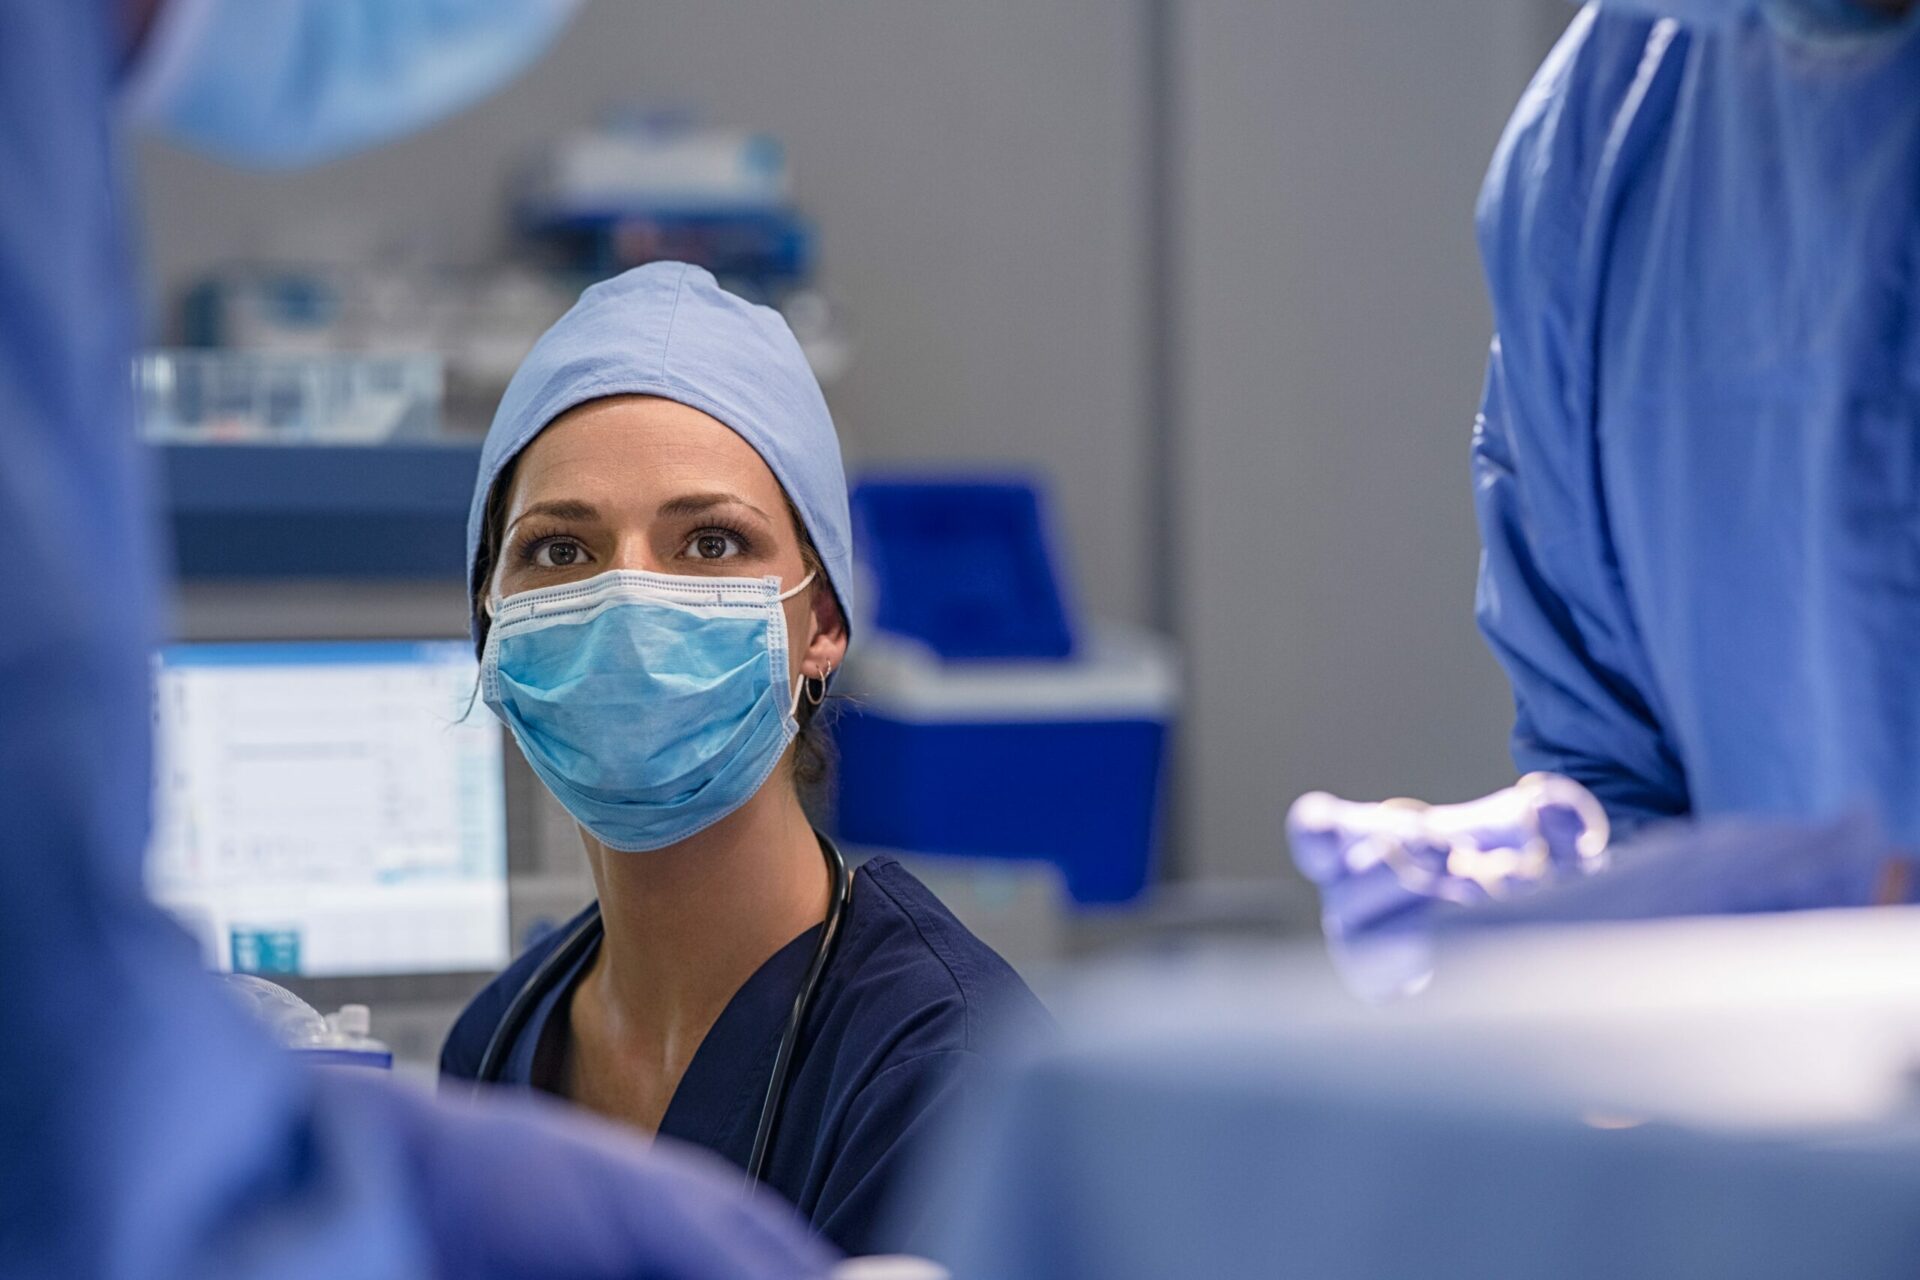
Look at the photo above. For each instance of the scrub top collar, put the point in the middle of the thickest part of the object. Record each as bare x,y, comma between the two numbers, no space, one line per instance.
717,1102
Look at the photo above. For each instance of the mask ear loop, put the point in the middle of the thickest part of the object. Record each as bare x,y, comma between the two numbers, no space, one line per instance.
793,708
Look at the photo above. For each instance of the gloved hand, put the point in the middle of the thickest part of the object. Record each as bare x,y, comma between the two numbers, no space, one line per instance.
1395,877
1383,869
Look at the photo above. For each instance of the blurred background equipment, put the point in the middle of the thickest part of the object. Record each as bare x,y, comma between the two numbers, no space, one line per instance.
473,322
592,203
330,809
660,188
283,397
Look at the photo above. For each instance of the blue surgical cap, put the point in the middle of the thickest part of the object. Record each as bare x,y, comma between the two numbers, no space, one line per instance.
670,330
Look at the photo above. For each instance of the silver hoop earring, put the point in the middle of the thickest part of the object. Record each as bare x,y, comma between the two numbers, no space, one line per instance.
814,688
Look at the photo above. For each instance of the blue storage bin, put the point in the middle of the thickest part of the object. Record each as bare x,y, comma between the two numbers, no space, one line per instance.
1057,761
962,565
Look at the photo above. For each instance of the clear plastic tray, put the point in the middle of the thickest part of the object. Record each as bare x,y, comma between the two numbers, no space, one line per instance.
249,397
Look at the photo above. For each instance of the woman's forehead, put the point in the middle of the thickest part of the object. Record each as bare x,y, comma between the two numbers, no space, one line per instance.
640,450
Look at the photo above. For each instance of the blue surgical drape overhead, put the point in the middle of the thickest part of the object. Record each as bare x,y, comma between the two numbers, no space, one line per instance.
146,1127
1698,460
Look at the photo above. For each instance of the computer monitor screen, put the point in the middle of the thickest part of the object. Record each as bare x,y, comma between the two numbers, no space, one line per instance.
330,808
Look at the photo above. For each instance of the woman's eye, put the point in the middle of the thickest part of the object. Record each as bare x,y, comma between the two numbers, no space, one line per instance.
713,544
557,554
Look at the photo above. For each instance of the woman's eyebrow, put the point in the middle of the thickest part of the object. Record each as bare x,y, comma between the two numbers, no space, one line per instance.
561,509
693,504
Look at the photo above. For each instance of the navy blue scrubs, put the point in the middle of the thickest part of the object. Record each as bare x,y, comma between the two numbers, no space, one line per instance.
897,1027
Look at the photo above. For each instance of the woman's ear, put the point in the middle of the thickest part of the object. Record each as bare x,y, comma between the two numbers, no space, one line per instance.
828,648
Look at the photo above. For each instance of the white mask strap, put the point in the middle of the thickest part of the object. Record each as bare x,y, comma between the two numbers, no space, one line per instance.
793,711
796,589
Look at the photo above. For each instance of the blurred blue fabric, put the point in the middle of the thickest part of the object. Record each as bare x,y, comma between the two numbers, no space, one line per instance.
276,83
1726,867
670,330
1184,1124
1815,20
1698,455
1383,938
147,1128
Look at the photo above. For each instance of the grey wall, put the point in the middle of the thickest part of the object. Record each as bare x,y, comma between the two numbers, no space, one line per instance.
1329,333
1293,497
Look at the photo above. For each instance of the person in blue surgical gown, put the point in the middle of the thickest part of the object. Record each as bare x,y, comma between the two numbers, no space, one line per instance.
146,1127
1697,466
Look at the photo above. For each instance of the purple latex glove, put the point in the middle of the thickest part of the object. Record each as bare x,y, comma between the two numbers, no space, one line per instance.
1376,860
1383,869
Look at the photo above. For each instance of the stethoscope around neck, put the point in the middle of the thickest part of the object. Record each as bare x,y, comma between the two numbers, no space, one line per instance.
587,934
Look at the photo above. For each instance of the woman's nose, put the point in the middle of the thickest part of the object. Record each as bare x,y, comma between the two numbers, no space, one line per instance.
635,551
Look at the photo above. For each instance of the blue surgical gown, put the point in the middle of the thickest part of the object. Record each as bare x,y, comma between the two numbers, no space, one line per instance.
890,1049
1697,466
147,1128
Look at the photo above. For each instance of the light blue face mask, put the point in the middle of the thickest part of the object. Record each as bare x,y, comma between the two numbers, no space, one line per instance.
651,705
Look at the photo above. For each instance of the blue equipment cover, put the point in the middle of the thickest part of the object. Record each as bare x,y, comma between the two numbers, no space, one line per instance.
1203,1117
1083,795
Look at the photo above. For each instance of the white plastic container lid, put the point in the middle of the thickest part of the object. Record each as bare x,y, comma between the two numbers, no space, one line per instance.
890,1266
336,1038
290,1020
1121,673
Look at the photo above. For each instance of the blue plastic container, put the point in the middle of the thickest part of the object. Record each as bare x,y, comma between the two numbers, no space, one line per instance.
963,565
1059,761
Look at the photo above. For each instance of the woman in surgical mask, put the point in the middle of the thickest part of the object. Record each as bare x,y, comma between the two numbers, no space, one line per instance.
660,558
